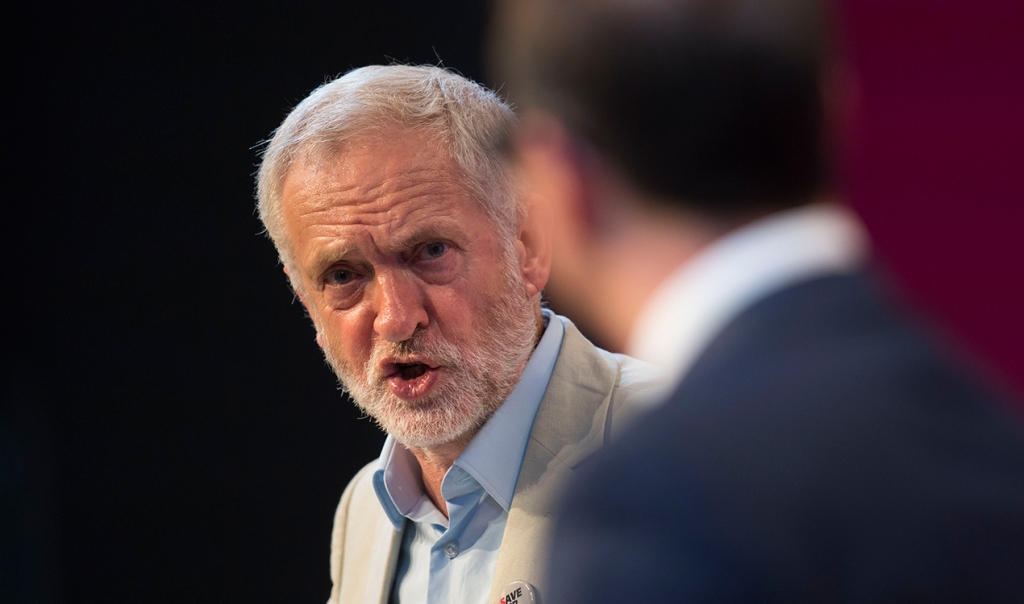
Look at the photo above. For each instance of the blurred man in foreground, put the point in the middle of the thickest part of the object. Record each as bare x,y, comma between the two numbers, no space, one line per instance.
406,236
817,446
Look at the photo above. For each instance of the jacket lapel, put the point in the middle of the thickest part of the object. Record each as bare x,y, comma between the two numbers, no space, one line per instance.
571,424
383,559
365,546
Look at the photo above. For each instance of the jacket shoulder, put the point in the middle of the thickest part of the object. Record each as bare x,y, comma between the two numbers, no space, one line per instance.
639,387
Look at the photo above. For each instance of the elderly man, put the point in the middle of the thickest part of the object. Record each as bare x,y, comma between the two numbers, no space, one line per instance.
816,447
405,234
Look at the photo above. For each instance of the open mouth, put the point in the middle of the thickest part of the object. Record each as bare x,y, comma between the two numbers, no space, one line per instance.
411,379
410,371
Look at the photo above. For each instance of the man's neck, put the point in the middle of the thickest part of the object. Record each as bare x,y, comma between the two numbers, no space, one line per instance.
657,245
434,463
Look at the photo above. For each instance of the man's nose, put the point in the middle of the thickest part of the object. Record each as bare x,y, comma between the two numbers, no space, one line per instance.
400,309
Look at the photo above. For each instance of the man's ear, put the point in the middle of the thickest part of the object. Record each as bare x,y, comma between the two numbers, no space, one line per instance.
305,304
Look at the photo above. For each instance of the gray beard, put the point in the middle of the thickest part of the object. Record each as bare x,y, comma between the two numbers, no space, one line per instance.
475,380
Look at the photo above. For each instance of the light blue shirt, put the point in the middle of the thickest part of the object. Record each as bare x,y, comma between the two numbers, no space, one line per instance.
445,560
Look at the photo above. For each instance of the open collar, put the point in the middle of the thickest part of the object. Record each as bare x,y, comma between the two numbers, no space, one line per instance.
495,455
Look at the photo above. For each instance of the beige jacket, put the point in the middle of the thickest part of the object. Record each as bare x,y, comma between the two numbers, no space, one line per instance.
591,396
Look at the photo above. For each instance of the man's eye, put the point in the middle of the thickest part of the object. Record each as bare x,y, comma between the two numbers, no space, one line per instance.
433,250
338,276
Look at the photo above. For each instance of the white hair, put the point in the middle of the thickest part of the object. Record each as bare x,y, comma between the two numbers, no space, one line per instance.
470,121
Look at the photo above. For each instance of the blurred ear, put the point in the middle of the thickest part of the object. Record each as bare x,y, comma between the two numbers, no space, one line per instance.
534,244
563,177
557,172
842,104
302,298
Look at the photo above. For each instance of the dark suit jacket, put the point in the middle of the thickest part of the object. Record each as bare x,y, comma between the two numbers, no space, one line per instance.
819,450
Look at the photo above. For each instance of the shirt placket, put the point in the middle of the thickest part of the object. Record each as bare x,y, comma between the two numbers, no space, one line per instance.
462,496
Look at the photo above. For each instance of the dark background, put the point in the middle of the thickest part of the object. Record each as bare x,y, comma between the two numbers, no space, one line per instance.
169,432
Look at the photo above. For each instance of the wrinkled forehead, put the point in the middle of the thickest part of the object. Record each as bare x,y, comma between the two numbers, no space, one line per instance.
381,183
394,154
374,166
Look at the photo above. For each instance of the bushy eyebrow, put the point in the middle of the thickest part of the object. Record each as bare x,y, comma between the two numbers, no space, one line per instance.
325,258
423,233
443,229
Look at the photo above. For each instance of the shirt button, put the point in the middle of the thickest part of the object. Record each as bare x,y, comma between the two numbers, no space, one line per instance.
451,550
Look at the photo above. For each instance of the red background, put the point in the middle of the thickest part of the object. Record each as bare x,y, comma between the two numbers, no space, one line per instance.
935,161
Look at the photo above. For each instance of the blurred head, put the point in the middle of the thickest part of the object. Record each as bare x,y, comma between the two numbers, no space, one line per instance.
653,126
406,238
711,104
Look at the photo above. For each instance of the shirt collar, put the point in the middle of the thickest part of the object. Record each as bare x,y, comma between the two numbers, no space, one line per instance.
705,293
495,455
